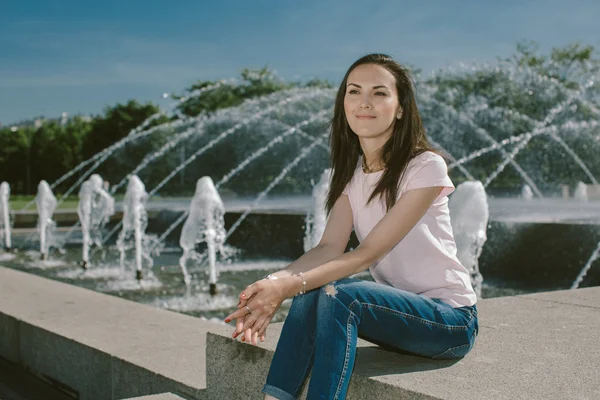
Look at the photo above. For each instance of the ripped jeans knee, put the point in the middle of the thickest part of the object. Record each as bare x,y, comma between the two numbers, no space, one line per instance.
330,289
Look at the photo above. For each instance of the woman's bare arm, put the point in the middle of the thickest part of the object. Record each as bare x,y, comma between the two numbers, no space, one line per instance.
332,244
388,232
392,228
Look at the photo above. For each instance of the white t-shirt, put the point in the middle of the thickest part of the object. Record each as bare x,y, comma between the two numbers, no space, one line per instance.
424,261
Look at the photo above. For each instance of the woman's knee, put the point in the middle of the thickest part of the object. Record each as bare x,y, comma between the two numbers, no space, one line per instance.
336,293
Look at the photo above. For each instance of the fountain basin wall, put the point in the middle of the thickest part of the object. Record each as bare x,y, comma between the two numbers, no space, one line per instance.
542,256
535,256
526,255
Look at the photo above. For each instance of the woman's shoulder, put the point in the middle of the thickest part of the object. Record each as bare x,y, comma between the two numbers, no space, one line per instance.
427,169
425,157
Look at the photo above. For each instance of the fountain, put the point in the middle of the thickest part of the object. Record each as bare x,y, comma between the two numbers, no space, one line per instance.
135,221
205,224
526,192
5,215
46,204
84,210
581,192
269,146
316,219
595,255
469,214
94,210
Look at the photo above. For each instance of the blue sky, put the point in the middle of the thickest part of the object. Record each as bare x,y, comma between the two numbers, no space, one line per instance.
79,56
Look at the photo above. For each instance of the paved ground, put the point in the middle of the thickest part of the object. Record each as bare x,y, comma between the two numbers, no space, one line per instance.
15,384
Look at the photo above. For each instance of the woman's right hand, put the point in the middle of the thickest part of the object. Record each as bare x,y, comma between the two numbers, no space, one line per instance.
239,324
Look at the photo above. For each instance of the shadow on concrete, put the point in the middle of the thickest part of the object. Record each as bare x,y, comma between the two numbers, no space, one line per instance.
384,360
17,384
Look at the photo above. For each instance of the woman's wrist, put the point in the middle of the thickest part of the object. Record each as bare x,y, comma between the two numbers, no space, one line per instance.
292,285
280,274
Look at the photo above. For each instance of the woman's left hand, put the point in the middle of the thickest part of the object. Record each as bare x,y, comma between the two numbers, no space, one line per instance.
263,298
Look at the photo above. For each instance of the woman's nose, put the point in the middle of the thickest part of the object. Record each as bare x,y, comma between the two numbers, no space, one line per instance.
365,101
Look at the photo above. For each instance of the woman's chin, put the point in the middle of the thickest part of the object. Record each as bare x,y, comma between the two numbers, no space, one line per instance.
367,134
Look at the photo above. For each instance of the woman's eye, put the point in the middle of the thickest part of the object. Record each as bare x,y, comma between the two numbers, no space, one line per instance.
354,91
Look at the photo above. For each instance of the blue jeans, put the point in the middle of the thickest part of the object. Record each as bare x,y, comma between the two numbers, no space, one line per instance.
323,325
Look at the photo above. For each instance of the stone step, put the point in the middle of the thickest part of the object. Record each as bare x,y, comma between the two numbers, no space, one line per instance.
99,346
539,346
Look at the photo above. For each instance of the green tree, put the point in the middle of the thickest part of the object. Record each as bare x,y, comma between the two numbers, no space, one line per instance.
14,166
55,148
567,64
512,99
115,124
254,83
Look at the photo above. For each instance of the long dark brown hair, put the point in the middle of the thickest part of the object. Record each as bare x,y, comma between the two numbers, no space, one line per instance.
407,141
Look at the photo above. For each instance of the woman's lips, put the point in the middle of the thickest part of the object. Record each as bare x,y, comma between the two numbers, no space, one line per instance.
365,117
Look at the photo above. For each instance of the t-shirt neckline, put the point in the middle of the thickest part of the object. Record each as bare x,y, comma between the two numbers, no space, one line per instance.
376,173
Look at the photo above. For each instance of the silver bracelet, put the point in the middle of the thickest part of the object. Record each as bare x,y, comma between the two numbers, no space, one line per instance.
271,276
303,284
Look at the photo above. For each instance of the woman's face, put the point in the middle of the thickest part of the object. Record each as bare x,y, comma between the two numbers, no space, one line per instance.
371,101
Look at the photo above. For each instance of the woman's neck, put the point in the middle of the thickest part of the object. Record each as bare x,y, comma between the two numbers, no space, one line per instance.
372,162
371,149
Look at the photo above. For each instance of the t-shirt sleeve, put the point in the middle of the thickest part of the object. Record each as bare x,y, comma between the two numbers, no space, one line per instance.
433,172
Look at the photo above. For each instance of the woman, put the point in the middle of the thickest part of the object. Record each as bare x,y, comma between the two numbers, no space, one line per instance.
391,187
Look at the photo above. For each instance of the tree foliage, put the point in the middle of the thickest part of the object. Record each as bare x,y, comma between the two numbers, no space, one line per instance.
524,93
254,83
116,123
505,101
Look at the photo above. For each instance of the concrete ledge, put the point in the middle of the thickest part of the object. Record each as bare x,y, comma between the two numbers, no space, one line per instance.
95,346
539,346
247,366
9,338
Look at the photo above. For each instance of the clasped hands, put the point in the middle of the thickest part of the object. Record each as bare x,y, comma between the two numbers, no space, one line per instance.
257,306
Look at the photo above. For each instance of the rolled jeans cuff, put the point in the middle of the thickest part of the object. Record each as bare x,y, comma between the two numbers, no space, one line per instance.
277,393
